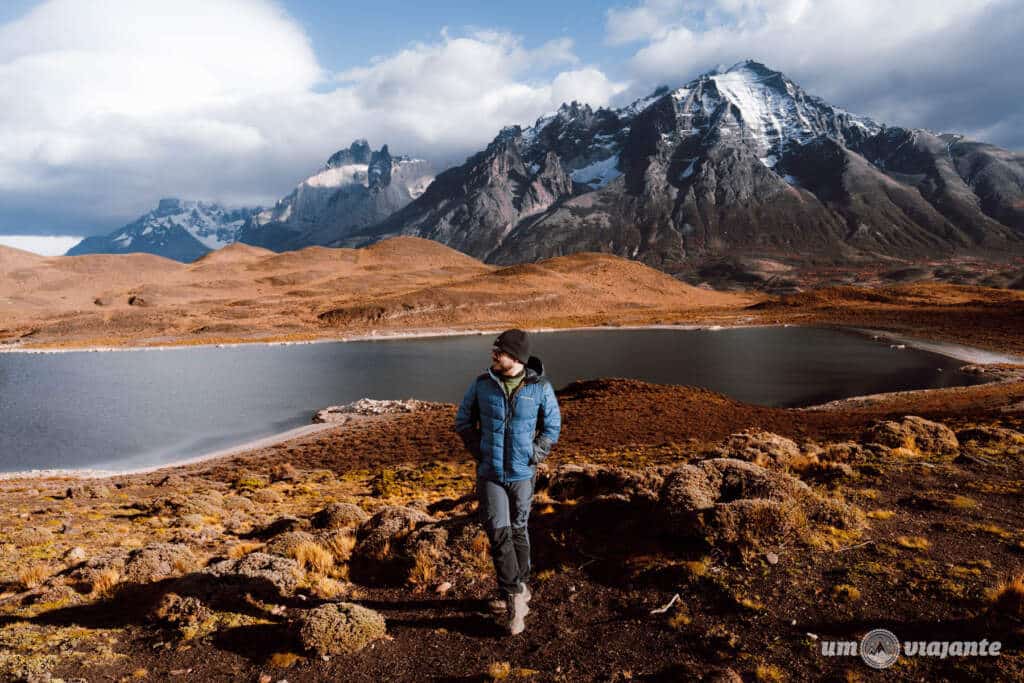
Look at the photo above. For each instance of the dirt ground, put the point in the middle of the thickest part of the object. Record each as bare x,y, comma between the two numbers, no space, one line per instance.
853,516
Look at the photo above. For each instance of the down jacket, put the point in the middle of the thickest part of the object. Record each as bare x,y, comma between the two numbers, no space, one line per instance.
508,436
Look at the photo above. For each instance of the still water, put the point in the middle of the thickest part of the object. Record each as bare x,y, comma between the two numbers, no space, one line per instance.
132,409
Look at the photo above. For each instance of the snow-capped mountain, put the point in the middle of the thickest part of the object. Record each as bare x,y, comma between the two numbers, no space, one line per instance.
180,230
738,161
355,188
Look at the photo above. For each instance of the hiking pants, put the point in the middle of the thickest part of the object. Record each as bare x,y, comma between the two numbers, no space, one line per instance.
504,512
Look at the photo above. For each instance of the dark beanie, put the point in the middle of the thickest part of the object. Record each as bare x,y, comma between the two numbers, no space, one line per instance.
515,343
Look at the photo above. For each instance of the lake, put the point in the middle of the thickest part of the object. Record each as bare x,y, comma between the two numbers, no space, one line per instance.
132,409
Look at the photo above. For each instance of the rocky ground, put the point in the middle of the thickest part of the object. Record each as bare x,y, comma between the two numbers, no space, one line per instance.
354,553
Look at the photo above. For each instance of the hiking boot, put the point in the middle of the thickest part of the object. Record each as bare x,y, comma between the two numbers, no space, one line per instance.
517,611
498,607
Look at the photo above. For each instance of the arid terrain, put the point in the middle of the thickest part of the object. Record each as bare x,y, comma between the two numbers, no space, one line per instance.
354,553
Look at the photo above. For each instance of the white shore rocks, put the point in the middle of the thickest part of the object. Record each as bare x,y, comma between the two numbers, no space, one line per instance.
368,406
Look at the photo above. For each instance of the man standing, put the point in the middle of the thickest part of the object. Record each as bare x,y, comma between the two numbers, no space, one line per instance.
509,420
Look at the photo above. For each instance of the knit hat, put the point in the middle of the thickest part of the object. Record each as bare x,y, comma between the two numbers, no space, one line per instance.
515,343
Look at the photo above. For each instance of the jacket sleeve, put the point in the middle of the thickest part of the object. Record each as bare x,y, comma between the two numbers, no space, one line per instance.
467,422
550,421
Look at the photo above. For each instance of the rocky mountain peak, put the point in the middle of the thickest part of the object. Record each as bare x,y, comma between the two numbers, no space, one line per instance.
358,153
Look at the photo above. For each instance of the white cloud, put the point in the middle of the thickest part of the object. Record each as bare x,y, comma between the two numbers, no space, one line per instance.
45,245
947,66
106,106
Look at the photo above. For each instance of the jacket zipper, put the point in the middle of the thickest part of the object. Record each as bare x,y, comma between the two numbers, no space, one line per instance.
509,403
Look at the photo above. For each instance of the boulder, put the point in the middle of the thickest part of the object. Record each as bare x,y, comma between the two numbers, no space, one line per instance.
340,628
188,615
281,572
286,543
736,504
158,561
762,448
575,481
915,434
379,532
339,516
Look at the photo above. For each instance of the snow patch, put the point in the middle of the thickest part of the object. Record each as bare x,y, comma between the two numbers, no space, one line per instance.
349,174
599,173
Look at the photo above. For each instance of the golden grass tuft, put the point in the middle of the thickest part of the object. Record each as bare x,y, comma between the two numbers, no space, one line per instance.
284,660
993,529
105,582
845,592
1007,599
35,575
913,542
424,568
499,671
679,619
327,588
545,575
341,546
243,548
312,557
769,673
881,514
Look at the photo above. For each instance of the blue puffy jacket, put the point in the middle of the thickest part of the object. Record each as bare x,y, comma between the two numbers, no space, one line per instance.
509,435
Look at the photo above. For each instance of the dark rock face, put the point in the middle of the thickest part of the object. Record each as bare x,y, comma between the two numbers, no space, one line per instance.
736,162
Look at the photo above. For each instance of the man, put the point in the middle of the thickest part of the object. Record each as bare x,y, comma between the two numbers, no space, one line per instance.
509,420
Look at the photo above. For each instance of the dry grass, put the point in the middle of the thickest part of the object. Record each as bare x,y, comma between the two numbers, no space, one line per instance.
105,582
424,569
35,575
341,545
845,592
328,588
499,671
243,548
1007,599
313,557
881,514
993,529
913,542
284,660
769,673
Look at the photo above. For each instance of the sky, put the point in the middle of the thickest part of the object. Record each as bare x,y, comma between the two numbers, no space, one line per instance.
108,105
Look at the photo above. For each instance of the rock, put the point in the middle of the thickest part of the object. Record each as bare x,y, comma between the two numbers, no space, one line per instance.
339,515
93,491
443,587
186,614
283,573
74,556
286,543
267,496
915,434
339,629
771,558
240,503
377,533
762,448
206,503
573,481
723,676
368,406
159,561
991,437
737,504
284,471
136,300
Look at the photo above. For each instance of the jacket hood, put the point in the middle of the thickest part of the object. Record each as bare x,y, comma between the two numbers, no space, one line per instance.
535,365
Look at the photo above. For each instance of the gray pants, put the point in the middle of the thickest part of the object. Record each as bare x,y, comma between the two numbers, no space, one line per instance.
504,512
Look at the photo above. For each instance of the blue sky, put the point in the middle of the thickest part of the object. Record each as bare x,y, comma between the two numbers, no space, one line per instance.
107,106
